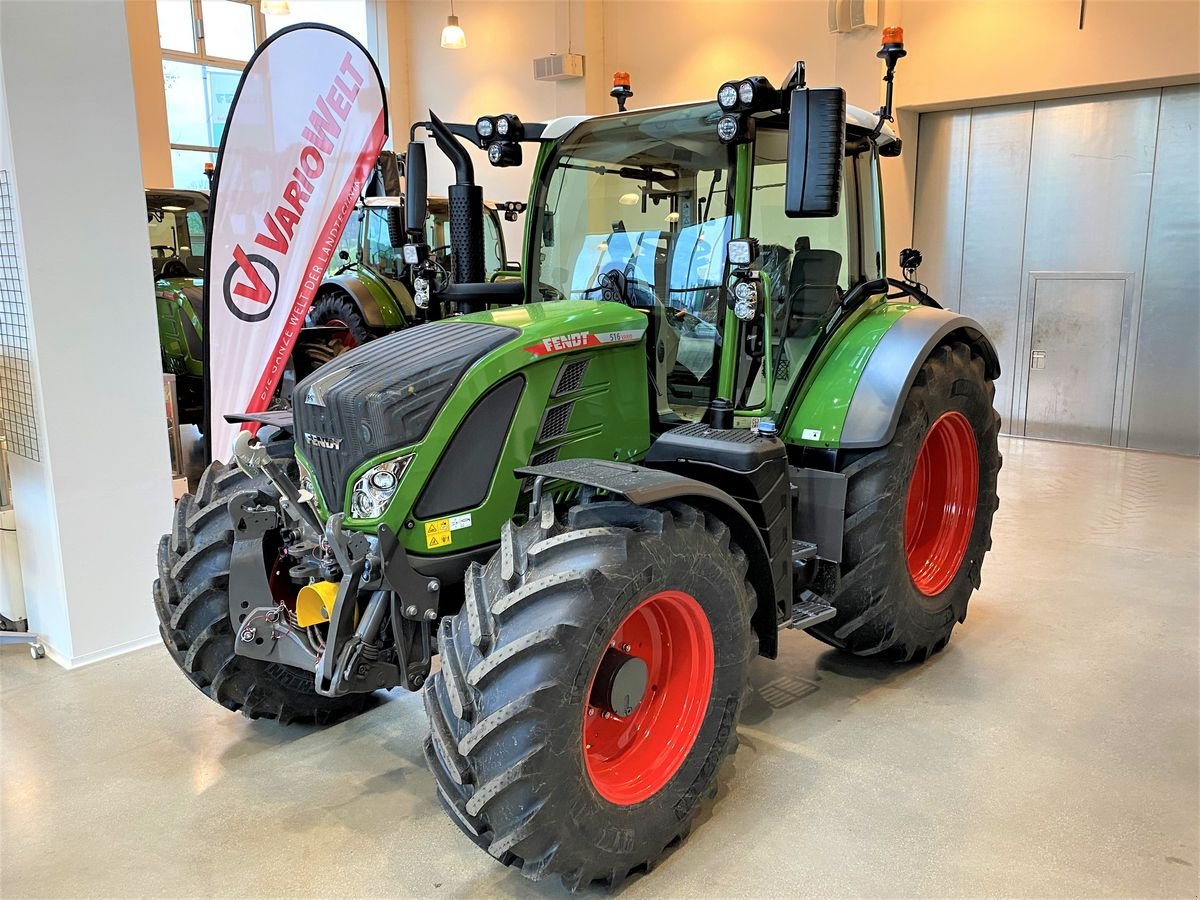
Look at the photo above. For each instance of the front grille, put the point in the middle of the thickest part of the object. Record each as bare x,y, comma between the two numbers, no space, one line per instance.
554,422
383,396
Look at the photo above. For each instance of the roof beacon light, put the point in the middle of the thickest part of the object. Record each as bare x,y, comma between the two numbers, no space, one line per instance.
891,51
622,89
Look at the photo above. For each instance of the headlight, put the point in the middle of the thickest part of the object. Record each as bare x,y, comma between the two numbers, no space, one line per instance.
495,152
727,96
746,291
742,252
745,93
502,126
745,295
484,128
728,128
421,292
374,490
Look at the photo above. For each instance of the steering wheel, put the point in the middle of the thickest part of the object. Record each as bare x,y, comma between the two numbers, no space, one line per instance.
174,268
163,251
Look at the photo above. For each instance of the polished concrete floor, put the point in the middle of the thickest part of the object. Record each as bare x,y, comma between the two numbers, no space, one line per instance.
1050,751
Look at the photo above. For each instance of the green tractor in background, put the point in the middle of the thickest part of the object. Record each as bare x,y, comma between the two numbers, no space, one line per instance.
367,292
703,416
177,225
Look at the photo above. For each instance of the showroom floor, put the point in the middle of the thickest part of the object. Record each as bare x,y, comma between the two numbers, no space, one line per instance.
1051,750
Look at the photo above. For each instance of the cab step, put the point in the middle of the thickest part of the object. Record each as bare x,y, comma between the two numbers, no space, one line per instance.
810,610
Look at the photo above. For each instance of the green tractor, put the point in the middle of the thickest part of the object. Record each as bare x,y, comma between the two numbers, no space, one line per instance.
177,225
702,417
368,292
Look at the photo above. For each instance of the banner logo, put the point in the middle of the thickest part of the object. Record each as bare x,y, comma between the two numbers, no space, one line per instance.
255,289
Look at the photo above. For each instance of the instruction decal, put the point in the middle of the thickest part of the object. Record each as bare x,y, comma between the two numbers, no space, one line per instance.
440,532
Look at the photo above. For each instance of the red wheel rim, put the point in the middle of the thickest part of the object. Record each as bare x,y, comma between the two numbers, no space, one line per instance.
630,759
347,337
940,512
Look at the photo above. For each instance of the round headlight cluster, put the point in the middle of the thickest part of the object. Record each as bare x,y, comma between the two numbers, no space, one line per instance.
421,292
374,490
495,153
745,93
745,294
502,126
727,96
484,128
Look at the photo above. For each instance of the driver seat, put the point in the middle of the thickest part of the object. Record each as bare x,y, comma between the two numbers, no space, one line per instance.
813,289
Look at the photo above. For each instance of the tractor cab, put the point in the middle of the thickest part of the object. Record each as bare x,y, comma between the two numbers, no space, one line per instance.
641,209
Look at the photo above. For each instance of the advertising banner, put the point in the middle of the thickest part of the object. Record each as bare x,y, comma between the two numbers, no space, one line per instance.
305,128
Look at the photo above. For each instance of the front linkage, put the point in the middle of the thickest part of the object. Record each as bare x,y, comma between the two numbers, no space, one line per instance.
355,654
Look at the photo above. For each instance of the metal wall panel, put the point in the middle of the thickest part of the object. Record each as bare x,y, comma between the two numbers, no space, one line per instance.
1063,189
1166,371
1073,371
943,148
994,233
1090,171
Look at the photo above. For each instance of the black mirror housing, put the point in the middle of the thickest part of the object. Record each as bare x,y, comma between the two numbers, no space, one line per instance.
815,153
416,188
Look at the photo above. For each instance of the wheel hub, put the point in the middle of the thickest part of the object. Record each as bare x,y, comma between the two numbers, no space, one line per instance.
620,683
648,698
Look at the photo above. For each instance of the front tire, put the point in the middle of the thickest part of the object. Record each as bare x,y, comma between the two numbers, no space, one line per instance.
336,309
918,517
191,597
525,760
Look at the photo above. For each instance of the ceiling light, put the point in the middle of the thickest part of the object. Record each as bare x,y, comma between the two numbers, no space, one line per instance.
630,199
274,7
453,37
173,208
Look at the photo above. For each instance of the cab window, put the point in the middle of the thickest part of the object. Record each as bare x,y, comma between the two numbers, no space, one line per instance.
806,264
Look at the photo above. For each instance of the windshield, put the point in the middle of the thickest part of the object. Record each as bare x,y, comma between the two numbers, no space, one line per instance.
638,209
175,224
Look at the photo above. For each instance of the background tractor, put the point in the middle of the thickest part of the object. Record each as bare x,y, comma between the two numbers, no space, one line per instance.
703,416
367,292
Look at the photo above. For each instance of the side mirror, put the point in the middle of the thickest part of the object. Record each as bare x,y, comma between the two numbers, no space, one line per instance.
815,153
416,189
344,255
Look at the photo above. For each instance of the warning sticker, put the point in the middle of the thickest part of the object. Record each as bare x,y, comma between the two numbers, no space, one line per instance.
439,532
810,434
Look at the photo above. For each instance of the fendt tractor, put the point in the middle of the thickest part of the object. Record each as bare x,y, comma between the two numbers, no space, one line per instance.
704,415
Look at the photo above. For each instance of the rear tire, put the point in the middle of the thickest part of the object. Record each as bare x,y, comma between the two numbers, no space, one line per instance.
888,606
192,601
509,709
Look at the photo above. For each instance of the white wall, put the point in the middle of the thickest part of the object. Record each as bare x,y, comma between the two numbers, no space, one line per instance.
89,514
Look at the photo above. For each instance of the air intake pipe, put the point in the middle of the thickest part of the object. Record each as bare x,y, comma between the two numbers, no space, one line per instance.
466,208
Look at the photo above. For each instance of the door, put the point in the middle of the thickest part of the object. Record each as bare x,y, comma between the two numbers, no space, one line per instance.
1074,359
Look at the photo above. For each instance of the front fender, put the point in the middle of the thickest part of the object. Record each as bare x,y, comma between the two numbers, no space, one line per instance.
855,396
643,486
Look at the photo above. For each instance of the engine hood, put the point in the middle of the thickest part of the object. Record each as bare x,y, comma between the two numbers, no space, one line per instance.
387,395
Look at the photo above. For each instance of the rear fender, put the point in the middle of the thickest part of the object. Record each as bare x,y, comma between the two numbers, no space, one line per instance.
643,487
378,312
856,395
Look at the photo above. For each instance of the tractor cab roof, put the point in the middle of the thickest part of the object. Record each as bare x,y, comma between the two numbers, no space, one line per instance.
855,116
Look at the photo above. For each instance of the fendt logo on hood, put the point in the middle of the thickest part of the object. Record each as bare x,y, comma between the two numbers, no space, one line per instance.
252,297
